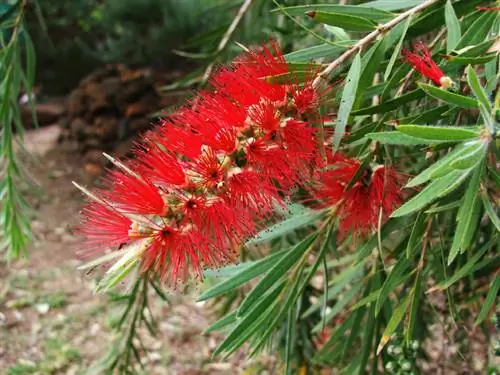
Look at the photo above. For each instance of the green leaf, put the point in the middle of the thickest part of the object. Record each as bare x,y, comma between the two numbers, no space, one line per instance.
466,215
488,207
474,155
290,339
253,270
435,190
491,297
416,234
344,21
390,104
392,4
464,270
347,101
457,61
320,51
449,97
396,54
440,133
349,10
444,207
476,87
397,138
275,273
477,32
452,27
395,278
435,168
252,321
286,226
396,318
415,294
221,323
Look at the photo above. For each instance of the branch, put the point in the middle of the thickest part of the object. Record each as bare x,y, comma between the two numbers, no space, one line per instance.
227,36
362,43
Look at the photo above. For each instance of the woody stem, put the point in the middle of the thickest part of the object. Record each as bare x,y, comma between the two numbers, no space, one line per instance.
362,43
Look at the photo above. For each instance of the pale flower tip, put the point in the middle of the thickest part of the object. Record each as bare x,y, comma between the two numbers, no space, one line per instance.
446,82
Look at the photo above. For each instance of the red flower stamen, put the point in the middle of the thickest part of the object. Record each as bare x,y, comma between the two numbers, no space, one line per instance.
422,61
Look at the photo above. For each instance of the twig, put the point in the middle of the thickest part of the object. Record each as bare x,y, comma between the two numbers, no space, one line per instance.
362,43
227,36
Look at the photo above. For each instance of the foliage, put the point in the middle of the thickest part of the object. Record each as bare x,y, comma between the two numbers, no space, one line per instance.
17,63
444,239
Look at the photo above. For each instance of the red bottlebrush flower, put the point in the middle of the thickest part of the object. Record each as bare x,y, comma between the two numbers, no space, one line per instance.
210,174
386,184
209,170
103,226
213,132
160,165
177,138
254,192
245,83
134,194
358,208
265,116
422,61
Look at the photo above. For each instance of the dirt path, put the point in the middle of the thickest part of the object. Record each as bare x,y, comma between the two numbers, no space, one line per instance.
51,322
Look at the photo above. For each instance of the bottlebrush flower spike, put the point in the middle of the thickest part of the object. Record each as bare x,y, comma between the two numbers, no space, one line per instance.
378,191
422,61
205,179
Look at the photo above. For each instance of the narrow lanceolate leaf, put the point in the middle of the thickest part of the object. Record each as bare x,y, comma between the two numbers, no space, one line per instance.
395,278
397,50
221,323
392,104
441,133
251,322
478,31
416,234
350,10
490,300
396,318
477,89
453,32
284,227
465,269
472,157
348,97
275,273
432,171
397,138
449,97
467,215
436,189
316,52
415,295
392,4
344,21
490,211
255,269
